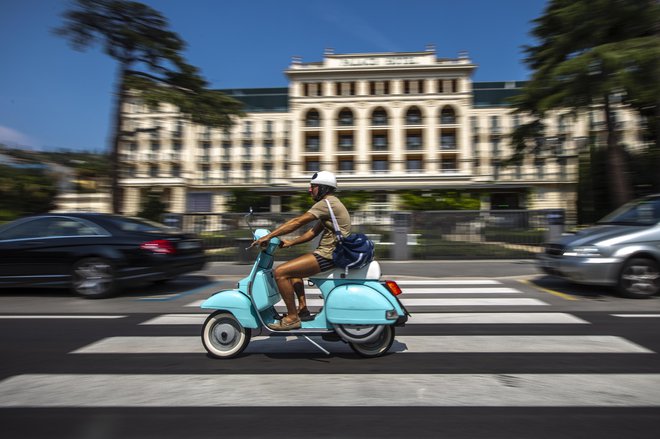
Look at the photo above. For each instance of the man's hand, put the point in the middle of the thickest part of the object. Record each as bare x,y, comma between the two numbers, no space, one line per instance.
286,243
262,242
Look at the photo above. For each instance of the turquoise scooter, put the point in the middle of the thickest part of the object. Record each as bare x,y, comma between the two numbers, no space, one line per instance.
359,309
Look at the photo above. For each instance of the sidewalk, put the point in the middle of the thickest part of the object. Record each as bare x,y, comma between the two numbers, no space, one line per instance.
485,269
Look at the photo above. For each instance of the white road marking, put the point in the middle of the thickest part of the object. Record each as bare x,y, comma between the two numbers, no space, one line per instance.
448,282
495,318
418,318
476,301
52,316
403,344
652,316
337,390
462,290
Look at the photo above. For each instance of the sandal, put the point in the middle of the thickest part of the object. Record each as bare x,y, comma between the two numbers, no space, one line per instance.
285,326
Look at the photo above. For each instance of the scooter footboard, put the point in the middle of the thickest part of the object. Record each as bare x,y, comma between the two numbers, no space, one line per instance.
236,303
359,305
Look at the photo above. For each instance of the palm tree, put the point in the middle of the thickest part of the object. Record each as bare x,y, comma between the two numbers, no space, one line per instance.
150,64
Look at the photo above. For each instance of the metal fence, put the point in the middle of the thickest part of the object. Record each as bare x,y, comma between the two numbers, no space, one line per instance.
495,234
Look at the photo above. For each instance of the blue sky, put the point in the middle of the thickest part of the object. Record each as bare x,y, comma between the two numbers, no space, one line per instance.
53,97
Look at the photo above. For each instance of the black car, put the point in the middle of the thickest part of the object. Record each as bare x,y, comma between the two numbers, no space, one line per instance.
94,254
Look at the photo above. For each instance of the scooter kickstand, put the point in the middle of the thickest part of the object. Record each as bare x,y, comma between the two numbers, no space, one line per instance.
316,344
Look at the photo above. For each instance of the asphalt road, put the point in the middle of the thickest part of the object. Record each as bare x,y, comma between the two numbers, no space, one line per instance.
492,350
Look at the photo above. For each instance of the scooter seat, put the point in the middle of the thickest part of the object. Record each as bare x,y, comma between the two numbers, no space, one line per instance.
369,271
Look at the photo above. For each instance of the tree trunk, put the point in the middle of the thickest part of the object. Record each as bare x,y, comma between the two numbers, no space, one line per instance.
619,180
120,93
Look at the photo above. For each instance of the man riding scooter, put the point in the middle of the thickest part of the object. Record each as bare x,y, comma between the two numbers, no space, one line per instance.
289,275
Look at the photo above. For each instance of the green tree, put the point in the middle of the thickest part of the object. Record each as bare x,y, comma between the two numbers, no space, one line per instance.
153,207
438,200
593,54
243,199
25,191
150,63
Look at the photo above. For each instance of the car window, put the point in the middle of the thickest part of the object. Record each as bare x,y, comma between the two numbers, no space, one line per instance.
50,227
131,224
35,228
72,227
644,212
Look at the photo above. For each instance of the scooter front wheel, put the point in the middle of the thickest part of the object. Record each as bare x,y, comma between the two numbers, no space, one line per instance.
378,347
223,335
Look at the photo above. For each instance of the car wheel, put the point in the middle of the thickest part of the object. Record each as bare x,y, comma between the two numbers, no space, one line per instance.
93,278
639,278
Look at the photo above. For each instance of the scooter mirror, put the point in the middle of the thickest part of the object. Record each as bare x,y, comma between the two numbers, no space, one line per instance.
247,220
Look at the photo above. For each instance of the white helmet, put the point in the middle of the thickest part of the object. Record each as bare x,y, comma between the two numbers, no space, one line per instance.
324,177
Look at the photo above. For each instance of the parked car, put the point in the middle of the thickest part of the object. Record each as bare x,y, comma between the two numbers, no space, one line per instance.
94,254
622,250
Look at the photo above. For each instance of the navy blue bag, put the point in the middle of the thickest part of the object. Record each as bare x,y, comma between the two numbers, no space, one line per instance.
352,251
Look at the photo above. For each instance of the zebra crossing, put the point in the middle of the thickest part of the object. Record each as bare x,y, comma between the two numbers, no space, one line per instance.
435,330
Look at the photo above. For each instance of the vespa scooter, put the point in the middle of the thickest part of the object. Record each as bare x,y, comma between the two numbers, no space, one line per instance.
358,309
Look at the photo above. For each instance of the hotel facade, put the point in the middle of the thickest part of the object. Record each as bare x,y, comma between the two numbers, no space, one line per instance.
384,122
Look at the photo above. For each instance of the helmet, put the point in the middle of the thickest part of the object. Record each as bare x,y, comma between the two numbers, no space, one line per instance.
324,177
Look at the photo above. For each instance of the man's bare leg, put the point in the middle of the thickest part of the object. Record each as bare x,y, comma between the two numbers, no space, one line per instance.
295,269
299,289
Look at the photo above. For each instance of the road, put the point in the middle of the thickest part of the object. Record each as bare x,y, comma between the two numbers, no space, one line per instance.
515,355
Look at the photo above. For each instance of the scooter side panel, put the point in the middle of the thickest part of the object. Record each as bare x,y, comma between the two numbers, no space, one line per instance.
236,303
264,290
357,305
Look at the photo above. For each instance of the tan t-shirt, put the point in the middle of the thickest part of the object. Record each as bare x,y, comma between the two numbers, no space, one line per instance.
328,238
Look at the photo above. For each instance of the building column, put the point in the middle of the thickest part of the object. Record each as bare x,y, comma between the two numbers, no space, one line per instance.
398,140
362,157
131,201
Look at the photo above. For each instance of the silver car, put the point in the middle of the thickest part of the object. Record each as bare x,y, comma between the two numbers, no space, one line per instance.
622,250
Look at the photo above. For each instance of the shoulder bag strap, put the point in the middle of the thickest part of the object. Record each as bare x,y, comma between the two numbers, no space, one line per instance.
334,221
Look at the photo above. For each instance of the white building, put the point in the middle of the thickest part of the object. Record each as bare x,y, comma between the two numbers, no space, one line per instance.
384,122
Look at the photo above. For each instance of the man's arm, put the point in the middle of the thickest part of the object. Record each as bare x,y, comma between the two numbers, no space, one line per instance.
305,237
287,227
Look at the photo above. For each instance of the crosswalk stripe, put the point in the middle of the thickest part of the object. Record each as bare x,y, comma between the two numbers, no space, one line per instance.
403,344
52,316
484,301
462,290
637,315
416,319
311,292
495,318
476,301
448,282
336,390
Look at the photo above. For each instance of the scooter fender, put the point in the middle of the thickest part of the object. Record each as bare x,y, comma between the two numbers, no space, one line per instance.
357,305
236,303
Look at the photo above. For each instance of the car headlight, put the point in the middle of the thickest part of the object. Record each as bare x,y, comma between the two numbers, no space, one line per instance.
587,251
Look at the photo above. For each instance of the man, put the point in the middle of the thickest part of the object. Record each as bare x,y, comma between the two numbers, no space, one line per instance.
289,275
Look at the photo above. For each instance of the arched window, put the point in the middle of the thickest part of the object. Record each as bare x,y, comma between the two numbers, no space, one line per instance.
345,118
447,116
312,119
413,116
379,117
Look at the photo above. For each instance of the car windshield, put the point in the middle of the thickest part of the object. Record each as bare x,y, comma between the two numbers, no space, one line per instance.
644,212
133,224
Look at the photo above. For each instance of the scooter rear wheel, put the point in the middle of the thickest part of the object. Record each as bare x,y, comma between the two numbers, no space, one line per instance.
378,347
223,336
